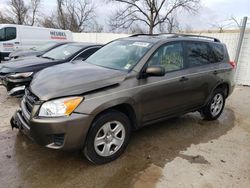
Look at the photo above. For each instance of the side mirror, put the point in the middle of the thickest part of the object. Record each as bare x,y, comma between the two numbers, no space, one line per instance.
155,71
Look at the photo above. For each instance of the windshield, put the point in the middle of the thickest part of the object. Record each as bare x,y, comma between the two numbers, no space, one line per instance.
62,52
45,47
120,55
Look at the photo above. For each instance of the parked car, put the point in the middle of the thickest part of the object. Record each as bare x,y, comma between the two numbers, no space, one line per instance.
14,37
35,51
17,74
129,83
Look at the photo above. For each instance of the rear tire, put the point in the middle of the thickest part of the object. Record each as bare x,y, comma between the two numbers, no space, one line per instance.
215,106
108,137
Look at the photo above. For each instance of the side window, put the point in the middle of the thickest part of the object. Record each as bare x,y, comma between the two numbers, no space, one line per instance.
2,34
170,56
197,54
84,55
217,53
10,33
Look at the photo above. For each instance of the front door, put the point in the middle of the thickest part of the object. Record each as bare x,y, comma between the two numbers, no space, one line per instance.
163,96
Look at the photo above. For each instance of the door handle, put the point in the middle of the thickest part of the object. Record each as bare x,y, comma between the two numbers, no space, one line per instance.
215,72
183,79
17,42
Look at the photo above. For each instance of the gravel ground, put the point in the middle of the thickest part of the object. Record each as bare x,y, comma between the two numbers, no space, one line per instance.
181,152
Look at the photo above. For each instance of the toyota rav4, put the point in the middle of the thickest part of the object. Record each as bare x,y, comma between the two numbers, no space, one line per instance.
129,83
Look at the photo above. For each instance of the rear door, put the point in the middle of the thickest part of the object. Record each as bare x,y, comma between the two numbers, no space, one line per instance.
202,72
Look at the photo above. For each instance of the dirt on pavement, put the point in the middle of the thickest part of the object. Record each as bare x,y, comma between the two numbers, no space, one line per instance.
181,152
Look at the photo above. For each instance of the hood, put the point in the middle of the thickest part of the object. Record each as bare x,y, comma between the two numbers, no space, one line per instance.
24,64
73,79
23,53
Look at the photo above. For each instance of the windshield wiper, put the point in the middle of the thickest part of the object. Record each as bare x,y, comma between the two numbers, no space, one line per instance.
46,57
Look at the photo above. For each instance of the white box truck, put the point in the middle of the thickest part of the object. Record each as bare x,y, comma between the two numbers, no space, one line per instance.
13,37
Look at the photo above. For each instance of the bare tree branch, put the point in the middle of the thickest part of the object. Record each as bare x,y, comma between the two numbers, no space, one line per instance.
17,12
75,15
150,12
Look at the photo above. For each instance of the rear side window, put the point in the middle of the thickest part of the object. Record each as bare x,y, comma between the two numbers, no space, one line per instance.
169,56
217,53
89,52
84,55
197,54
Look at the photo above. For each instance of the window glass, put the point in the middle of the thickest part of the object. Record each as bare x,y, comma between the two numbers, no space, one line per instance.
120,54
45,47
217,53
87,53
2,34
169,56
10,33
197,54
62,52
7,33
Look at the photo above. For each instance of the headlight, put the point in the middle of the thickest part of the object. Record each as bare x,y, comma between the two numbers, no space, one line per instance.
21,75
60,107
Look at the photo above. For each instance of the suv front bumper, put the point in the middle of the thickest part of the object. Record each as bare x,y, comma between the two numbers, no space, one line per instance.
64,133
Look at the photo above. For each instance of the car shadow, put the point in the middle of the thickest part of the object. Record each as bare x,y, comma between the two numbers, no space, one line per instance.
36,166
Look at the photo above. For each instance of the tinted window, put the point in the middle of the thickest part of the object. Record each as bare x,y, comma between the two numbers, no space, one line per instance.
88,53
169,56
2,34
197,54
84,55
8,33
217,53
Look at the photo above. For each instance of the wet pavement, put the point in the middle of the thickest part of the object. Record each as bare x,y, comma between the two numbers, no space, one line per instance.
181,152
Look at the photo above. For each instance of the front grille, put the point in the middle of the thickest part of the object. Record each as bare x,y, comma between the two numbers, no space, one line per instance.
29,100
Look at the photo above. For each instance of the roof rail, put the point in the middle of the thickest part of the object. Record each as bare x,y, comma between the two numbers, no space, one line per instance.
197,36
175,35
142,34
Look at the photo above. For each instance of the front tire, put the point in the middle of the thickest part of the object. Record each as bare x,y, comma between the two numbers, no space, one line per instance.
215,106
108,137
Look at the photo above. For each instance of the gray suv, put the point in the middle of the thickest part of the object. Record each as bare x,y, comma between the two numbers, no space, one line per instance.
94,105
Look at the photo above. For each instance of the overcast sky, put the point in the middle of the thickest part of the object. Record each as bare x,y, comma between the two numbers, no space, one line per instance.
212,11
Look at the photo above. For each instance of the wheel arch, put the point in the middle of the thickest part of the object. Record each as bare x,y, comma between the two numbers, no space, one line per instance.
125,108
222,85
225,87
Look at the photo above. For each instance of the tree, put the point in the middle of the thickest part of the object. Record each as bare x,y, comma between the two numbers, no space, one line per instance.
20,13
4,19
151,13
75,15
171,25
35,5
236,21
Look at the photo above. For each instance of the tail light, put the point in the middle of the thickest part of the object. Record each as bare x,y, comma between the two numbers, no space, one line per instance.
233,64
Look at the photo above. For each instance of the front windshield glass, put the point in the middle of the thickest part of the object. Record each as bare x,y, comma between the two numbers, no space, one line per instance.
45,47
62,52
120,55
